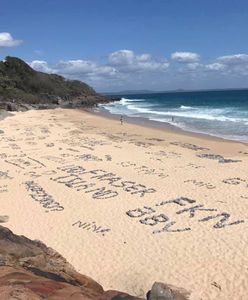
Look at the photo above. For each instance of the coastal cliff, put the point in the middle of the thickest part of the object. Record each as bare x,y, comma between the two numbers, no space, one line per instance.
31,270
22,88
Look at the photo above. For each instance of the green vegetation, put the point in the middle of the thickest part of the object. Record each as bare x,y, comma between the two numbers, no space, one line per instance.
20,83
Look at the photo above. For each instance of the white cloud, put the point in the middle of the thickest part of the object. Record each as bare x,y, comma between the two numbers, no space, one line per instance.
127,61
72,67
121,57
6,40
236,64
126,69
215,67
41,66
185,57
83,68
233,59
78,69
123,67
194,66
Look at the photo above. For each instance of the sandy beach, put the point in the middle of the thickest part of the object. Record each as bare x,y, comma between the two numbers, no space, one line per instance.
129,205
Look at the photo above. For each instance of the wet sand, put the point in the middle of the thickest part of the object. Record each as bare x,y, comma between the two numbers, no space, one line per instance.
129,205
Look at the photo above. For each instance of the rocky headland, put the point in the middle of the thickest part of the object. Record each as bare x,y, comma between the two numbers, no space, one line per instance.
22,88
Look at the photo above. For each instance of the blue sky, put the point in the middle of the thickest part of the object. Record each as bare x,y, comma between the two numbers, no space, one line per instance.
140,44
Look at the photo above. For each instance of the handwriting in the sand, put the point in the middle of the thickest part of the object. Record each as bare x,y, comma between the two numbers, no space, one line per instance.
14,146
144,169
200,183
140,143
91,226
83,141
161,155
219,158
73,180
154,219
56,159
35,174
4,188
24,163
189,146
235,181
5,175
86,157
195,166
41,196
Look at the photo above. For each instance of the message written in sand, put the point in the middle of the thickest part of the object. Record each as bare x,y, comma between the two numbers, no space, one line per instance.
5,175
219,158
86,157
3,188
195,166
189,211
56,159
188,146
161,155
140,143
41,196
144,169
91,226
24,163
235,181
34,174
83,141
73,180
200,183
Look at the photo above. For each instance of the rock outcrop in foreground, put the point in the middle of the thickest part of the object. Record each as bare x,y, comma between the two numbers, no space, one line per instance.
22,88
31,271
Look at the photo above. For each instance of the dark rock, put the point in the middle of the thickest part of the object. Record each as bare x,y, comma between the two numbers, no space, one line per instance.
4,219
162,291
12,107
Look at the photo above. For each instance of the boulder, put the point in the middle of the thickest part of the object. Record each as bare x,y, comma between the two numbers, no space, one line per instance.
162,291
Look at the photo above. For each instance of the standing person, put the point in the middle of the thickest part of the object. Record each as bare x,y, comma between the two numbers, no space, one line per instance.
121,120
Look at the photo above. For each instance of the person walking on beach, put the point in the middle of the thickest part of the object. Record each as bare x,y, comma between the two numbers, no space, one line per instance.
121,120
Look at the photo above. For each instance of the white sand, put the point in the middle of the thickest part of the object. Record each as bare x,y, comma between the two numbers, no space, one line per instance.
128,252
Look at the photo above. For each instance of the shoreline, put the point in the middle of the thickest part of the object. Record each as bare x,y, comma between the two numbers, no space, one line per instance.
161,126
140,121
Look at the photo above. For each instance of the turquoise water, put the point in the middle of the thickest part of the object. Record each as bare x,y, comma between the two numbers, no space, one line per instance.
218,113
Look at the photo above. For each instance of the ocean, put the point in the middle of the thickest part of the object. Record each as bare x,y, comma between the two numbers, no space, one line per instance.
218,113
